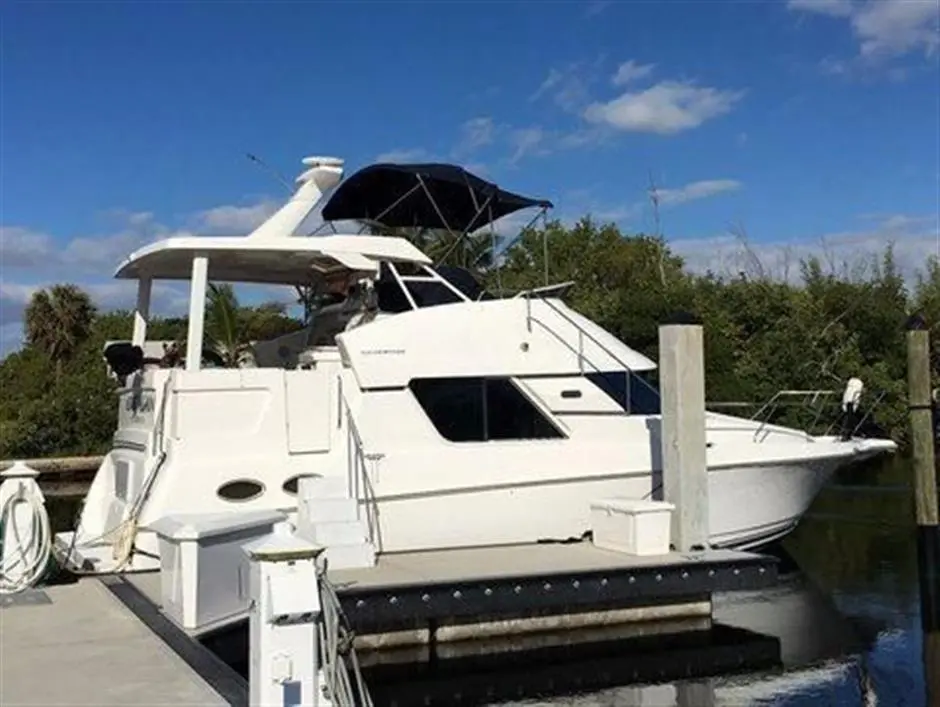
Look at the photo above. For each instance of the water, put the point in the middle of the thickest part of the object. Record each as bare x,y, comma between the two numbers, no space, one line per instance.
843,628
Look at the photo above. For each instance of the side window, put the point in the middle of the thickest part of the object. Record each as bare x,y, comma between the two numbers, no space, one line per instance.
632,391
511,415
480,409
454,406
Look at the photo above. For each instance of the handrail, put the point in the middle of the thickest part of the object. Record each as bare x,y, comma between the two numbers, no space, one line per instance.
582,334
545,289
771,405
763,414
359,470
790,393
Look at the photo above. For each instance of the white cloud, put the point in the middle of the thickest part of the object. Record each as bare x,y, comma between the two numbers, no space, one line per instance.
23,247
894,27
38,260
666,108
630,71
166,299
474,134
234,220
696,190
883,28
569,87
835,8
413,154
914,240
13,297
527,141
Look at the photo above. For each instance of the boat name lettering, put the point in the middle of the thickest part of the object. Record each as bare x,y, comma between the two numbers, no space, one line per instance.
381,352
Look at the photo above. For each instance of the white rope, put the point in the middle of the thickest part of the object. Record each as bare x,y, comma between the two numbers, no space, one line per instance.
23,565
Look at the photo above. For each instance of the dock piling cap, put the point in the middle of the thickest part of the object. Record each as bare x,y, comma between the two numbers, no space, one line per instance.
281,548
19,470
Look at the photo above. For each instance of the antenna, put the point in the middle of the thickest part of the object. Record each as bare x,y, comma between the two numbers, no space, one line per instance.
277,175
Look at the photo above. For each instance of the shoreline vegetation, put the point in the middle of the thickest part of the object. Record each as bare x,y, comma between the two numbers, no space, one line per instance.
763,333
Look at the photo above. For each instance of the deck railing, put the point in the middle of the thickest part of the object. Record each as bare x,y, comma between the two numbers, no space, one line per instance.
359,482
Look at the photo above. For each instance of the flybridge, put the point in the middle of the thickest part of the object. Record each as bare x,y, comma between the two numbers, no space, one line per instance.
371,274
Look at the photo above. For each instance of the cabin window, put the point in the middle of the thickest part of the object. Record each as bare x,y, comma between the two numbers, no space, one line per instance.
633,391
481,409
290,486
241,490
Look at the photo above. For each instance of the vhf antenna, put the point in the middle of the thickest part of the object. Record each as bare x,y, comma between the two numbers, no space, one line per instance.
277,175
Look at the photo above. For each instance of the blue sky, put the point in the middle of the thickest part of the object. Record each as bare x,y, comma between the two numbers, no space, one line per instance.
810,124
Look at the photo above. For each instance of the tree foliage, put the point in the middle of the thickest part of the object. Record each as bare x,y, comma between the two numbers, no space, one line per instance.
78,414
58,321
762,334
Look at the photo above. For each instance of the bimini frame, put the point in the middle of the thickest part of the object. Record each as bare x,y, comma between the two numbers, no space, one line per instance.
430,196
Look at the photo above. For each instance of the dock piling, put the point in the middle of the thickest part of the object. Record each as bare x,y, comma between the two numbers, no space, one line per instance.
682,391
925,472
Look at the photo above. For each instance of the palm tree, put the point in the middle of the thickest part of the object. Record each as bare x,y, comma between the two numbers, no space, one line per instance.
58,321
230,327
225,334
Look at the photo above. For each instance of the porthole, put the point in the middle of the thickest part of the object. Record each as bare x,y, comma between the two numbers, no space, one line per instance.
290,486
241,490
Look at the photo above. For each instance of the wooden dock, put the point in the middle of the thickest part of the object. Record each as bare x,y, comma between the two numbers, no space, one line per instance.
78,644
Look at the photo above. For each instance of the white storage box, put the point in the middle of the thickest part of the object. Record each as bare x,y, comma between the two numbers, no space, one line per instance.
203,569
633,526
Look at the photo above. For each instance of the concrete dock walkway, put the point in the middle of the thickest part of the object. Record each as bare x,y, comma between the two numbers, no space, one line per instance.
78,644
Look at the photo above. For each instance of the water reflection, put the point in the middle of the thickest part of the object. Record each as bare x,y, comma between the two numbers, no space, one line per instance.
931,652
844,629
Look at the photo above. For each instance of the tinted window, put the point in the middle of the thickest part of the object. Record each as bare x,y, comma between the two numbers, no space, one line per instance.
510,415
632,391
478,409
429,294
454,406
390,297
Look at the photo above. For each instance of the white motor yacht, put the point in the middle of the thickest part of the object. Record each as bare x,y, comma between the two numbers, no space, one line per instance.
447,417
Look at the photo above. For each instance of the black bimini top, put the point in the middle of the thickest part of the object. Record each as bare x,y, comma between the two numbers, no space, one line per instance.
423,196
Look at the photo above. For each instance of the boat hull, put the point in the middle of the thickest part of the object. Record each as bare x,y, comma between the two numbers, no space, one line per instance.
751,505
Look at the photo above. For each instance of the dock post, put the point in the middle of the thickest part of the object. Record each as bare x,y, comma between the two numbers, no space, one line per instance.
283,623
920,403
25,534
682,392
